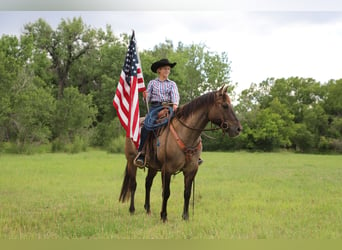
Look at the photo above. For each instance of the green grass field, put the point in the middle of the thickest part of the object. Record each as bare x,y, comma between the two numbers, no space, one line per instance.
237,196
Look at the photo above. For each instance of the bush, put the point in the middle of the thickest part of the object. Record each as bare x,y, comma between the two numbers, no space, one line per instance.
79,144
4,147
105,131
58,145
24,148
324,144
117,145
336,145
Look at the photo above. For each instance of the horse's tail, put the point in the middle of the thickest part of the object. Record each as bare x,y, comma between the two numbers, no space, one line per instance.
128,185
125,193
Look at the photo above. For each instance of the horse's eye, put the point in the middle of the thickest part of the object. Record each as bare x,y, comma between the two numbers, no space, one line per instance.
225,105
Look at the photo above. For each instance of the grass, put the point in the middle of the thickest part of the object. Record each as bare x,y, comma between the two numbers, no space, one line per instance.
237,196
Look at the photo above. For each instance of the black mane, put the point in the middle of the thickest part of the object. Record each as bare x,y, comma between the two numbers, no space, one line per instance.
187,109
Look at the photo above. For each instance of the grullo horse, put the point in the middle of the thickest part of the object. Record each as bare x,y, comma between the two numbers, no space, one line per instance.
179,147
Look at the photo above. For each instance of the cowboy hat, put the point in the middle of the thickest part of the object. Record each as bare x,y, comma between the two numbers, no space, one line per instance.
161,63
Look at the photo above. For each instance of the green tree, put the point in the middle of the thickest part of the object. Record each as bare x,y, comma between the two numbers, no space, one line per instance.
296,93
299,104
32,111
8,70
66,45
303,140
266,130
332,99
16,78
332,105
75,114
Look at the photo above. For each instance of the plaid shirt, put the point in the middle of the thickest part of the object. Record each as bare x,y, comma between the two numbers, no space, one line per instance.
162,91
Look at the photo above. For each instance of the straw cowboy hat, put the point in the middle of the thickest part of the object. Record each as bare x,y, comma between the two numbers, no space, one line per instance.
161,63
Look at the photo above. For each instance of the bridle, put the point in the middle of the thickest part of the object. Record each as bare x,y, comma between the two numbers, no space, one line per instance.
223,126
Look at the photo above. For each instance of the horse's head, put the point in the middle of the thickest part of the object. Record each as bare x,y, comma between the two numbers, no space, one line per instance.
223,115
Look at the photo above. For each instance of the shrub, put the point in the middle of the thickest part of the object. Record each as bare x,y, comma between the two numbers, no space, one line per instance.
79,145
117,145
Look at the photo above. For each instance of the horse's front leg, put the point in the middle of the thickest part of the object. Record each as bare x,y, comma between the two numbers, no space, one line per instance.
188,181
166,177
148,184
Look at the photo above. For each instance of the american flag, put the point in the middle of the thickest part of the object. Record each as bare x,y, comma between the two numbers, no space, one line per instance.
126,101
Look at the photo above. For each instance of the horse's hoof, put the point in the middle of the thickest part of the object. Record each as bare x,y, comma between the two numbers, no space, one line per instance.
163,217
185,217
147,209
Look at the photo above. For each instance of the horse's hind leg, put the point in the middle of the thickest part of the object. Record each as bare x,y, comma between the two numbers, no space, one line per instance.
188,182
133,187
148,184
166,177
129,184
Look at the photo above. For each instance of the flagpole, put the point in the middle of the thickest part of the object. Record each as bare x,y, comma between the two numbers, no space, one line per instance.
144,99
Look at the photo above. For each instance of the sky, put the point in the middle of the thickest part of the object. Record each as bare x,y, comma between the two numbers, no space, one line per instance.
275,41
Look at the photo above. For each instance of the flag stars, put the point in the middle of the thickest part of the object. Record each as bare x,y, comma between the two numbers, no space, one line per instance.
130,67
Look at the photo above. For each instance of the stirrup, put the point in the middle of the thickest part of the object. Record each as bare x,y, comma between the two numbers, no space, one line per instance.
139,160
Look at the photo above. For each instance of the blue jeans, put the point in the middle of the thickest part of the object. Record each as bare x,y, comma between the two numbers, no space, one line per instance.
144,131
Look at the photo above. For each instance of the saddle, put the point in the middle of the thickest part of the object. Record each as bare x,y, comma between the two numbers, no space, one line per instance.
162,115
161,121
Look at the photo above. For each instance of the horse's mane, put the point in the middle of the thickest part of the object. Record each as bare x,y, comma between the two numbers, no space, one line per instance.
187,109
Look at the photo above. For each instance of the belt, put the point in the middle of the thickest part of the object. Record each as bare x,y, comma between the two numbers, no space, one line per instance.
159,103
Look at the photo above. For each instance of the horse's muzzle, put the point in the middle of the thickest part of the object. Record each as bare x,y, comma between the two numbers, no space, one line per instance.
234,130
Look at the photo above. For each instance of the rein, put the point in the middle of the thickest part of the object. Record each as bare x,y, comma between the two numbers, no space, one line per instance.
188,151
224,125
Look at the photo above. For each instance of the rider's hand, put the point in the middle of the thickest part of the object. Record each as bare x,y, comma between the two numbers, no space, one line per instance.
175,106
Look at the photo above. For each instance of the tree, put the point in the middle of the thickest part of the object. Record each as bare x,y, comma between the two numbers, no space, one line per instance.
332,105
332,99
17,82
65,46
275,105
267,130
32,111
75,113
296,93
9,67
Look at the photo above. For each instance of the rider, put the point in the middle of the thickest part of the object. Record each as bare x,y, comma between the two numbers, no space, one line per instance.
160,90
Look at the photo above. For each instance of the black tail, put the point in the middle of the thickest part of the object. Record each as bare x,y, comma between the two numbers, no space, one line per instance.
125,189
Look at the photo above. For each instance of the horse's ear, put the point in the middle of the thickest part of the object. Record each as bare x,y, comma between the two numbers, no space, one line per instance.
223,90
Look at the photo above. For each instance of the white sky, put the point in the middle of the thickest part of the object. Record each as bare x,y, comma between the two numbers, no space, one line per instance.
260,44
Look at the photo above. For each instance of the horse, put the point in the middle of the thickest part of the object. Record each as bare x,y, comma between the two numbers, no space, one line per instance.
177,148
